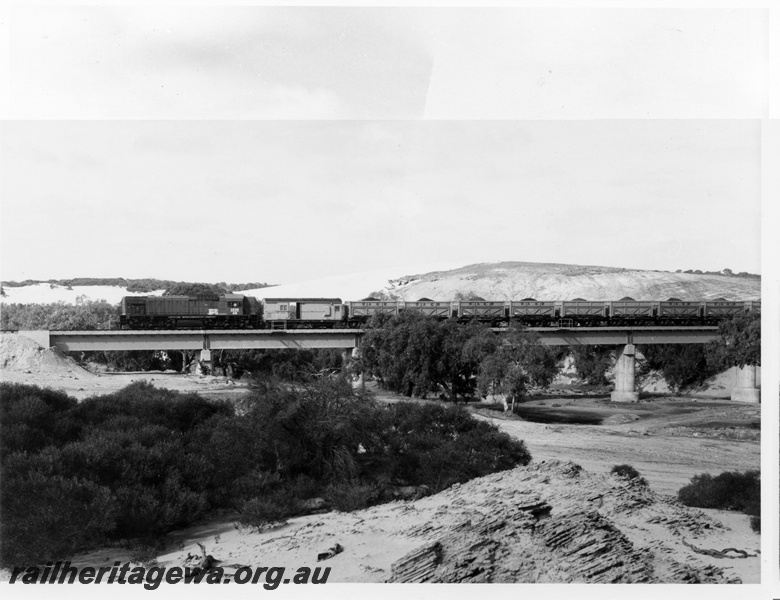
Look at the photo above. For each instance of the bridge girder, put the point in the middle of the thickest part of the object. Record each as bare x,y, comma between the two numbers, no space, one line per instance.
75,341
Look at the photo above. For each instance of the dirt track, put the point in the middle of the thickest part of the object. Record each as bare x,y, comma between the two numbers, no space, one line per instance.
666,449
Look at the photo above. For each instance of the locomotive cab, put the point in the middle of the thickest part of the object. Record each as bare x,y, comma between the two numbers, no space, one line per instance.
132,312
231,304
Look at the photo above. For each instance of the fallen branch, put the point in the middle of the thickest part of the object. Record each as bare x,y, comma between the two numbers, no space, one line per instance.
720,553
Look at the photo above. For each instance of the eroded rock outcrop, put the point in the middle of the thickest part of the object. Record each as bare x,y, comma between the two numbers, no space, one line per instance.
586,529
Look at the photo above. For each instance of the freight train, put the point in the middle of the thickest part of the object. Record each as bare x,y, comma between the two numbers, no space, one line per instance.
236,311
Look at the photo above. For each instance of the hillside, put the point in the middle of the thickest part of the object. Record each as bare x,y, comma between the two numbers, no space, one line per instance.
517,280
48,293
492,281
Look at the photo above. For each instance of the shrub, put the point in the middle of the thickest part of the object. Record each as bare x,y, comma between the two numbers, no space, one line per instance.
271,507
351,495
33,418
438,446
728,491
136,464
152,405
146,511
314,429
50,517
753,509
120,466
628,472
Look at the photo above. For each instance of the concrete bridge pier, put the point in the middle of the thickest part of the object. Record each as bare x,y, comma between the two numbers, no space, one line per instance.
625,372
745,389
203,359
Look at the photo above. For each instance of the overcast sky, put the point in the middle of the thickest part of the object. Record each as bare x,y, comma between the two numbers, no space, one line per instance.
282,144
220,62
290,200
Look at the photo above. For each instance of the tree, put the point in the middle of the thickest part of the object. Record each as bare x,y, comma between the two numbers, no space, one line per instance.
511,362
404,352
680,365
592,362
417,355
738,343
460,360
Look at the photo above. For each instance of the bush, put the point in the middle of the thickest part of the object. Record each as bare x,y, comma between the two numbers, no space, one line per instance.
139,463
119,466
728,491
271,507
438,446
33,418
628,472
315,429
154,406
351,495
48,517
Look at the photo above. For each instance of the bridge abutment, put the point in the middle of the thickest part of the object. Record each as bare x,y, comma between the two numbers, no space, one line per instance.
625,375
745,389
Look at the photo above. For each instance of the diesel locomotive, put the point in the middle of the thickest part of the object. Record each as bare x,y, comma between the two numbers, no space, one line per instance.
236,311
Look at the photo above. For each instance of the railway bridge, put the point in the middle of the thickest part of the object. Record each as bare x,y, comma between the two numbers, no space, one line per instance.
202,342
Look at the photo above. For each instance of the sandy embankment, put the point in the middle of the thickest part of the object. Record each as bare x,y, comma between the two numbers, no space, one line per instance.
548,522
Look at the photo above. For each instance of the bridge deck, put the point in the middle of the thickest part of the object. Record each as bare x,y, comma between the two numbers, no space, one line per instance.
209,339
